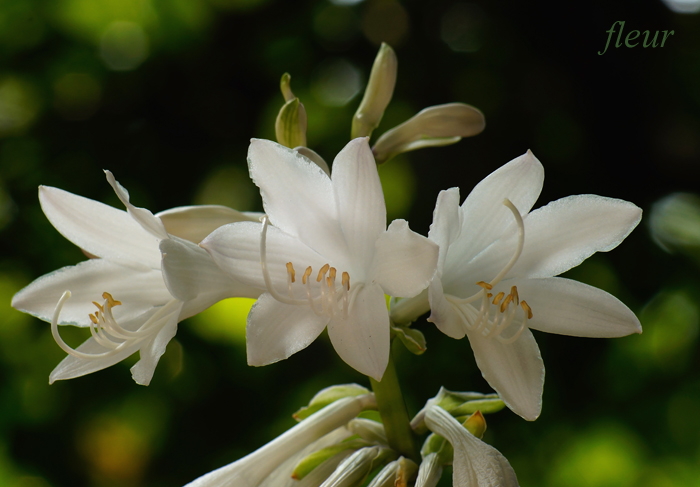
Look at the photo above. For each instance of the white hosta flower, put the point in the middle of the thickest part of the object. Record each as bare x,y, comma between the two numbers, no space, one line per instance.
327,261
494,279
252,470
474,464
121,295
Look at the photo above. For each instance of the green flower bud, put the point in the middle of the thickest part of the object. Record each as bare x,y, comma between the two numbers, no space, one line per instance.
675,223
431,127
310,462
327,396
378,93
412,339
476,424
290,127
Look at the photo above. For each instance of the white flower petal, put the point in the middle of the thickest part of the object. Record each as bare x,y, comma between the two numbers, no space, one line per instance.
193,223
362,340
138,291
484,216
100,229
569,307
72,367
353,469
297,196
567,231
275,330
153,350
404,261
192,276
429,472
447,224
143,216
514,370
475,463
442,313
235,248
360,200
249,471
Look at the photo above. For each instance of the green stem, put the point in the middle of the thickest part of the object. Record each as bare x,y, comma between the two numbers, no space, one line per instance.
392,409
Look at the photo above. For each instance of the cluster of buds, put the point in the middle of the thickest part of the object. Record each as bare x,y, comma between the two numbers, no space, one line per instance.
339,442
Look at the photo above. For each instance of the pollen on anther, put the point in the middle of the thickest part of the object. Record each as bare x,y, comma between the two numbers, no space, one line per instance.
498,298
322,272
527,309
290,270
505,302
99,306
346,280
111,302
332,273
485,285
306,275
514,293
93,318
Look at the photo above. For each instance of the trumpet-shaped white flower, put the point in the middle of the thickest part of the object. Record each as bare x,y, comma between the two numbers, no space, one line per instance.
474,464
121,294
252,470
327,260
494,279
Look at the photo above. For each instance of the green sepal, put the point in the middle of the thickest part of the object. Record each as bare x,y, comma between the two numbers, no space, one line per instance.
290,126
413,339
486,406
310,462
327,396
435,443
286,87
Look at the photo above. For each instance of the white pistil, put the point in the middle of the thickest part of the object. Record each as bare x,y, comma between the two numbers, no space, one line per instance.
505,304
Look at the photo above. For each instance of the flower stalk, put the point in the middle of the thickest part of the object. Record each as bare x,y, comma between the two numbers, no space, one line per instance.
392,409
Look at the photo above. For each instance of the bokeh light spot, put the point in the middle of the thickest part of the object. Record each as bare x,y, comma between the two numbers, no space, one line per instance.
225,321
606,456
19,105
462,27
385,21
124,46
336,82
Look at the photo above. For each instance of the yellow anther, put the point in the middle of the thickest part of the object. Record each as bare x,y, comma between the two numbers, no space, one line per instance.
306,275
346,280
485,285
111,302
514,293
99,306
489,295
505,303
322,272
332,272
93,318
330,282
498,298
290,270
527,309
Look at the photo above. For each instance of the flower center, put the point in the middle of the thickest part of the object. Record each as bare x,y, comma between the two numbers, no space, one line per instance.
499,314
323,295
105,329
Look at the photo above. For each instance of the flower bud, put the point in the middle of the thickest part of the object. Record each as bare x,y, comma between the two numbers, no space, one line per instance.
327,396
395,474
431,127
313,460
354,469
675,223
290,126
378,93
368,430
476,424
413,339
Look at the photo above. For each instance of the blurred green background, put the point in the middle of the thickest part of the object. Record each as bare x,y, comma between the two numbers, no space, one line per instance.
167,94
